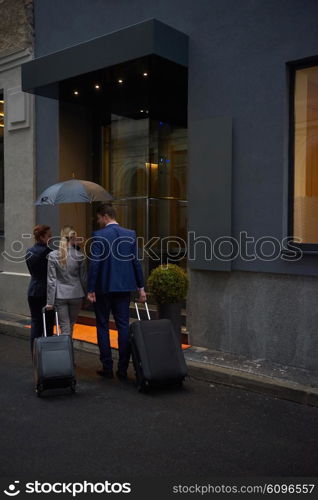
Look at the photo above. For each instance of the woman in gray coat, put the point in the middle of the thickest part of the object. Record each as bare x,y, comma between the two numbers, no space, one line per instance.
66,280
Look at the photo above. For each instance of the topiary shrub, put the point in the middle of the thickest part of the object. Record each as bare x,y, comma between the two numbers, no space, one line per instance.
168,283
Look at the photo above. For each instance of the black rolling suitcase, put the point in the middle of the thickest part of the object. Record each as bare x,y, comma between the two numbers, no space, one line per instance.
53,360
156,352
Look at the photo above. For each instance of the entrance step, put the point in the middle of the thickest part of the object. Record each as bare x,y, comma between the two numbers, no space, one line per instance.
87,317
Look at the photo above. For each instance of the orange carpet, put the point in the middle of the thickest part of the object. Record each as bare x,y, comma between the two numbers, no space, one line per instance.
88,334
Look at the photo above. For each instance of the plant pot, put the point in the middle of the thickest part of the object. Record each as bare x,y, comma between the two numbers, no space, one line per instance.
172,312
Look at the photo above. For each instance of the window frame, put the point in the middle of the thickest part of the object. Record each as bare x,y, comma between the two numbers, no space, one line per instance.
309,248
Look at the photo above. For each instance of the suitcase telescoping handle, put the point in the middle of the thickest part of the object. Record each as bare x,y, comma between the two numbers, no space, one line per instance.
56,320
137,310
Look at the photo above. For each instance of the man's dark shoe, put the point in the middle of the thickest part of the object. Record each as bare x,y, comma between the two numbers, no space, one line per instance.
121,375
105,373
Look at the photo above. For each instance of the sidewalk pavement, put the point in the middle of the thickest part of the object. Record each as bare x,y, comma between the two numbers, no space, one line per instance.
284,382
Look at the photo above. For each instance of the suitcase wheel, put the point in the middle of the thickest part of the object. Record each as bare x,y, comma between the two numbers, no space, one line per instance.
39,389
143,386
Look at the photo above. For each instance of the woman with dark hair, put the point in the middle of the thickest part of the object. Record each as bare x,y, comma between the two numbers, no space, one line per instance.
36,260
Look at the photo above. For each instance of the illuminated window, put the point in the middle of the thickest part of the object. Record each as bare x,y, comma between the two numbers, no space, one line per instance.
305,189
1,164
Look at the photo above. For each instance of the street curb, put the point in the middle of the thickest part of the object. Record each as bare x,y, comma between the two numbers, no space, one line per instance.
274,387
277,388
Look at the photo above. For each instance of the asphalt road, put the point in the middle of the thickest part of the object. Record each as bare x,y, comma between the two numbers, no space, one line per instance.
202,430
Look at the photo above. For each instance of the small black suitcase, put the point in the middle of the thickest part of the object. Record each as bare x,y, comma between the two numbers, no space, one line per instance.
53,360
156,352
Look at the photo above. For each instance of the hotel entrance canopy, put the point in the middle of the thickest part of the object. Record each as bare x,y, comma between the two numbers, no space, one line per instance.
43,74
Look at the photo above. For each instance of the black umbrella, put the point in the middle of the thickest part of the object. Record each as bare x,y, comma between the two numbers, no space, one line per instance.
73,191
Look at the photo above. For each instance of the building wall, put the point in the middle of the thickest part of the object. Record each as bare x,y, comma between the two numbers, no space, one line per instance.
75,152
19,215
257,315
16,25
237,69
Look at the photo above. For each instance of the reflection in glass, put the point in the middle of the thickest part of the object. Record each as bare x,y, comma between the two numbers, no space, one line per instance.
144,167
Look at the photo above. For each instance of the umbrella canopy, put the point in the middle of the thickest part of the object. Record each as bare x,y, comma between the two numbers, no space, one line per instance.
73,191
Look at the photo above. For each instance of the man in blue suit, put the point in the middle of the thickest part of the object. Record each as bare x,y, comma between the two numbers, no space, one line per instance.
114,272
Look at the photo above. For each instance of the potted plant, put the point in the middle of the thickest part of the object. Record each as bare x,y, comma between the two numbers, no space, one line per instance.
168,283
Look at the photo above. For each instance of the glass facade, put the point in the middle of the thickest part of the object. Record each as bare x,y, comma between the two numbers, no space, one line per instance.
145,169
129,122
305,207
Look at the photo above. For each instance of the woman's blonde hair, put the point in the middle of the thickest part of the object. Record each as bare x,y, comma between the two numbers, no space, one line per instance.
66,233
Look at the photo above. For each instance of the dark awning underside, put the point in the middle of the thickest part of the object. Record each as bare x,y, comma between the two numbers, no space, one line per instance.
43,74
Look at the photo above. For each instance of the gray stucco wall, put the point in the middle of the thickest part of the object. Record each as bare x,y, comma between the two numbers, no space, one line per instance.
257,315
19,214
16,26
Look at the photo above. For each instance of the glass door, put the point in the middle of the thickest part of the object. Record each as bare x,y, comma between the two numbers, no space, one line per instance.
144,167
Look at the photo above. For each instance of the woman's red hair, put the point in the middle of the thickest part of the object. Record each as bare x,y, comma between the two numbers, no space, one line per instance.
39,231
